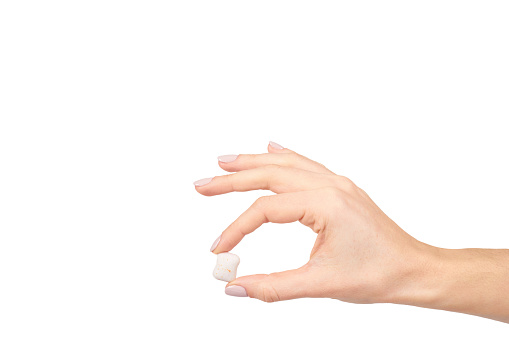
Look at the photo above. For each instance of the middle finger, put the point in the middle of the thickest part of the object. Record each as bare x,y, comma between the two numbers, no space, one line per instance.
278,179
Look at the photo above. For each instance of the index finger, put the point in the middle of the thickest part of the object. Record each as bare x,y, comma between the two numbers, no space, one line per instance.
280,208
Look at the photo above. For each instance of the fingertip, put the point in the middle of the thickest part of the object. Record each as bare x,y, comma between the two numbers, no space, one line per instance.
227,158
203,191
250,284
274,147
202,182
214,244
233,282
218,245
225,244
228,167
235,291
218,249
247,281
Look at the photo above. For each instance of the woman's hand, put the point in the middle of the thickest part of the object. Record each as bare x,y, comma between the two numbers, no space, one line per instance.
360,254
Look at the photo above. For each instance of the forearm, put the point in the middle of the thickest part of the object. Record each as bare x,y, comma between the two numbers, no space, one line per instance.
472,281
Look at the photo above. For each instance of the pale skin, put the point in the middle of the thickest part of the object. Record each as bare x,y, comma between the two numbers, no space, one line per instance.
360,254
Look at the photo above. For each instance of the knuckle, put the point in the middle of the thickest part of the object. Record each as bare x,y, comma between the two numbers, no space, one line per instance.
320,165
261,202
272,175
230,176
230,179
293,158
332,193
335,196
268,292
362,192
345,183
271,168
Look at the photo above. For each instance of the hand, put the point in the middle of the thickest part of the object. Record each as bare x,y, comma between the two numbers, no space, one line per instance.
360,255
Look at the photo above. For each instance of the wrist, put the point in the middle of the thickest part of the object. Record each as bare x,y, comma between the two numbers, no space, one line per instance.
472,281
419,280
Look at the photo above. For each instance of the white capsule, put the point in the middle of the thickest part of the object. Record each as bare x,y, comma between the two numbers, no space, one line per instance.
226,267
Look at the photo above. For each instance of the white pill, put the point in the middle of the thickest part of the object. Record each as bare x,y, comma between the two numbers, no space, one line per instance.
226,267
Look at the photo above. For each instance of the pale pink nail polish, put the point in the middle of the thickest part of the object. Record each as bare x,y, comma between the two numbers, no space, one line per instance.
236,291
227,158
203,182
214,245
275,145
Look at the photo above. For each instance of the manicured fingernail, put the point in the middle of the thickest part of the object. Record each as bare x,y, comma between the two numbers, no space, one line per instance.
227,158
236,291
214,245
203,182
275,145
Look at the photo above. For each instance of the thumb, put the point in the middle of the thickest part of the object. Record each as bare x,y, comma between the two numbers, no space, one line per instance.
278,286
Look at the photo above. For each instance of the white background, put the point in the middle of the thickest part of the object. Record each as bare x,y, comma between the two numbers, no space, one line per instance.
109,110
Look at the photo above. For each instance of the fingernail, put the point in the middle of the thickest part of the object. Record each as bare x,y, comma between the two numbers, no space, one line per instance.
203,182
227,158
275,145
214,245
236,291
